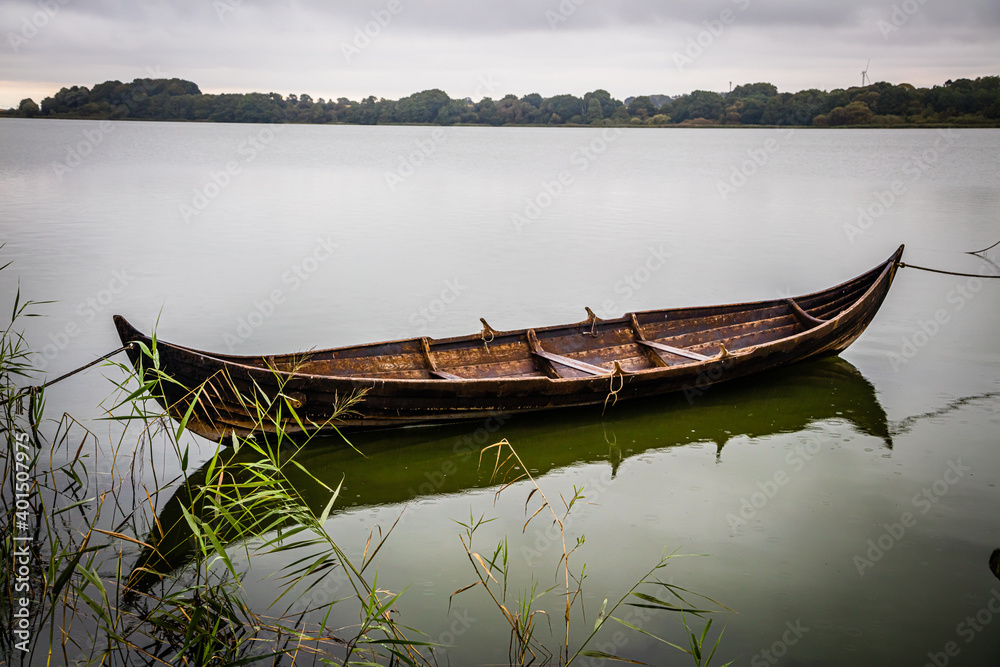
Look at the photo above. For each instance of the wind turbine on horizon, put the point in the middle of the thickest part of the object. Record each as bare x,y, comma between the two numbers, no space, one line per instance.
864,73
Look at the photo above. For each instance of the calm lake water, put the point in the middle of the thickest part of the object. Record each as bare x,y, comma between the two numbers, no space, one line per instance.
847,508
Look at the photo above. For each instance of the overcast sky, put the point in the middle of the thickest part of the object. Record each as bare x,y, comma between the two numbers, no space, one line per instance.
477,48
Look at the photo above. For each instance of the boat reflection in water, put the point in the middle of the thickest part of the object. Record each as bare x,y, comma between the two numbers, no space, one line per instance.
405,464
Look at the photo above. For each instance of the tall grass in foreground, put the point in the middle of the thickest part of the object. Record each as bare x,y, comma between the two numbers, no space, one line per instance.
89,574
83,581
494,571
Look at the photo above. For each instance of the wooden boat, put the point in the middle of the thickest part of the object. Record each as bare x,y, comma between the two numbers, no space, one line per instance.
596,362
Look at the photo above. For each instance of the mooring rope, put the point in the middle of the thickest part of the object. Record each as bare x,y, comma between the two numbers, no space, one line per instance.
613,393
976,252
904,265
34,389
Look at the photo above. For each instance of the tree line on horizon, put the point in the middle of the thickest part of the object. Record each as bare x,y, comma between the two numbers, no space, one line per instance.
958,102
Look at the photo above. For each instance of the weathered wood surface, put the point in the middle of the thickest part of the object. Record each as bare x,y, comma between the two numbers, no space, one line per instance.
422,380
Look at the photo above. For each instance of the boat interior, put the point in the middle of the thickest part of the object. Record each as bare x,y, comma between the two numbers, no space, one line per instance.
593,347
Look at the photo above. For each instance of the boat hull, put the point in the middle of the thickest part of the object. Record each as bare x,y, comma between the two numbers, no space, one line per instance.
591,363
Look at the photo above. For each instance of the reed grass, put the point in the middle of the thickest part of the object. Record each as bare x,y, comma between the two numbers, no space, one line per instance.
102,587
85,601
494,572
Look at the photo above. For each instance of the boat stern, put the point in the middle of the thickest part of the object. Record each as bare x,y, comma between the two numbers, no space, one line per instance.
129,334
126,331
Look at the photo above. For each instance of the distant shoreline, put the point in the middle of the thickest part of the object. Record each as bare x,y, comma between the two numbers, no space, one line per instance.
985,125
881,105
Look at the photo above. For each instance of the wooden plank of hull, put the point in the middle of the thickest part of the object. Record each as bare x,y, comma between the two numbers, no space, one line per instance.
470,377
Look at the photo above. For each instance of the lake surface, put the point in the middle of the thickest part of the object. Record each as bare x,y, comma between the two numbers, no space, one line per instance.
847,508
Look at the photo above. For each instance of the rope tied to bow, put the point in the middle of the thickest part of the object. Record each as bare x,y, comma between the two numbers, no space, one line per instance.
976,252
35,389
487,330
904,265
618,372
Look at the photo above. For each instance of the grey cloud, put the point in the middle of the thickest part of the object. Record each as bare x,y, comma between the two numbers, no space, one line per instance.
624,45
527,15
515,15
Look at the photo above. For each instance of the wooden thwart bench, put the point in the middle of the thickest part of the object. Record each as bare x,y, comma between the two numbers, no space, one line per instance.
536,349
660,347
673,350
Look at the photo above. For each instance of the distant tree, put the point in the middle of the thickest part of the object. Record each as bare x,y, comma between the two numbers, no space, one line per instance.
366,112
869,97
988,96
180,87
899,100
225,108
456,111
804,105
112,92
422,107
855,113
566,106
387,111
513,111
746,111
27,108
69,99
527,113
745,90
705,104
641,107
608,104
203,105
257,108
798,109
835,98
534,99
620,116
488,112
745,104
699,104
594,112
659,101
